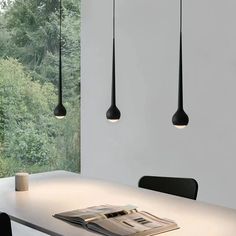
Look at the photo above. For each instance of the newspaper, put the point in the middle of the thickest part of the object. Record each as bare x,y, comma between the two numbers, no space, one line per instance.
118,220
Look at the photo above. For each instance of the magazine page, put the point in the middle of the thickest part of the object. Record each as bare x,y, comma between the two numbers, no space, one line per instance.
137,223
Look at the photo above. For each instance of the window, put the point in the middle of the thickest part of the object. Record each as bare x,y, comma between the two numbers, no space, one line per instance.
31,138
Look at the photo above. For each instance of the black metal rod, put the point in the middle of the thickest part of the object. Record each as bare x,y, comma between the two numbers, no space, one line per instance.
113,86
60,57
180,95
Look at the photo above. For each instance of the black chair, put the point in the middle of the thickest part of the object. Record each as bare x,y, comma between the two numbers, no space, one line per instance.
5,225
182,187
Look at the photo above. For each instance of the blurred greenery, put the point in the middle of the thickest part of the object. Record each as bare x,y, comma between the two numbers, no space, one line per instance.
31,138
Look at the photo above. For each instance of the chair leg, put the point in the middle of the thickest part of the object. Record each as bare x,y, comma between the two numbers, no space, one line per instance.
5,223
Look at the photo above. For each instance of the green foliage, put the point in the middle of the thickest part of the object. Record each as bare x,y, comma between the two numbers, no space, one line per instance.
9,167
24,105
31,138
34,29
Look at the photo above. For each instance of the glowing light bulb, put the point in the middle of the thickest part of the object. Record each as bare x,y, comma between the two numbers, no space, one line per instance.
180,126
59,117
113,120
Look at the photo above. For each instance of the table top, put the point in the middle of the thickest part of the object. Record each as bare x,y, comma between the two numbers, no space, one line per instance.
58,191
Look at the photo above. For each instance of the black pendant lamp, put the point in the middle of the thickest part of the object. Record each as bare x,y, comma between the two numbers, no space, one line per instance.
180,118
60,110
113,113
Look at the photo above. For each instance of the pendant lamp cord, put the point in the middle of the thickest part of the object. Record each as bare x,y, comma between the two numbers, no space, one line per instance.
113,90
180,98
114,16
181,15
60,61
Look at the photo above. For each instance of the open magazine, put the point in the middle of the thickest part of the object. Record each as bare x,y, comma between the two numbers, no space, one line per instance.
118,220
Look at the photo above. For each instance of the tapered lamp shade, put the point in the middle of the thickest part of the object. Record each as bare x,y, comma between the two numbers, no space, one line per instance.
113,114
180,118
60,111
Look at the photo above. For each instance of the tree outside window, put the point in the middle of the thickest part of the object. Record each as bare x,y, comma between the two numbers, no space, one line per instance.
31,138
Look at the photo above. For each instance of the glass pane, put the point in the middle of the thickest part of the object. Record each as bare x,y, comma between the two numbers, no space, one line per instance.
31,138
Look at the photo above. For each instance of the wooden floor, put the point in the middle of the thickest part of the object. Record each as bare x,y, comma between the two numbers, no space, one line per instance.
21,230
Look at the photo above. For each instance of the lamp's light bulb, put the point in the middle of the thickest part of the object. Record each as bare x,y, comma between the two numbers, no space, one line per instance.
180,126
59,117
113,120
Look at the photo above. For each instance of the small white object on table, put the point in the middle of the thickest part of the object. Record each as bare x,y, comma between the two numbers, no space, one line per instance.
21,181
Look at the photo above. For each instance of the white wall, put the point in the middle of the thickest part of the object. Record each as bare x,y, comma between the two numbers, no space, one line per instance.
144,141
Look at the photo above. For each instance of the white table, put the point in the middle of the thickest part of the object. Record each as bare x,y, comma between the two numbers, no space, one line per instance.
21,230
59,191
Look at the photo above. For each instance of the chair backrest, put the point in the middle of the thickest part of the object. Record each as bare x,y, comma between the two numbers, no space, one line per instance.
182,187
5,225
